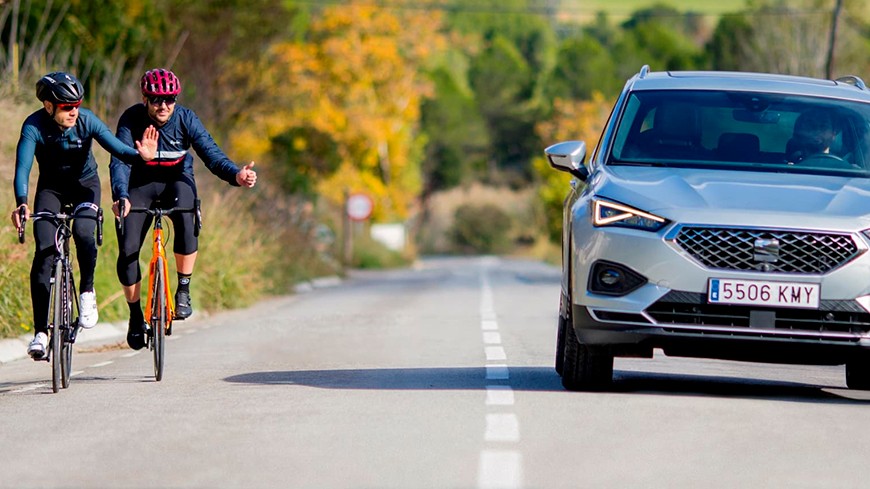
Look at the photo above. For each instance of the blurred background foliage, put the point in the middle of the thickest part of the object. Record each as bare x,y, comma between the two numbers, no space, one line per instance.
438,109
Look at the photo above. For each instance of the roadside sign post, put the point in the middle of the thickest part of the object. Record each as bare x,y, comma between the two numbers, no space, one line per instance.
357,208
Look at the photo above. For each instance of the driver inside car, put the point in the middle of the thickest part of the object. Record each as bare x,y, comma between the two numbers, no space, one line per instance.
814,132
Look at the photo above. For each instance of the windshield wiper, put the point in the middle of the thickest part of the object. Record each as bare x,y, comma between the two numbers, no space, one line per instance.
636,163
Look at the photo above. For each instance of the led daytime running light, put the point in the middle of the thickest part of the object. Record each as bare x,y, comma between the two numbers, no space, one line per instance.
627,212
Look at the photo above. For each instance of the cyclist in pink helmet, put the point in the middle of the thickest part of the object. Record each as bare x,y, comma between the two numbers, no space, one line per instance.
167,180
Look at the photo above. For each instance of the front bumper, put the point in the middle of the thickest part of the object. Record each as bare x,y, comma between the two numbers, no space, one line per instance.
778,337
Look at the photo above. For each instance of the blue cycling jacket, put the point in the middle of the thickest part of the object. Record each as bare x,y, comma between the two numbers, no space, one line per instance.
182,131
63,154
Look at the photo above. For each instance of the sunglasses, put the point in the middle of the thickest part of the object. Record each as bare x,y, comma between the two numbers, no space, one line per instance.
158,101
66,107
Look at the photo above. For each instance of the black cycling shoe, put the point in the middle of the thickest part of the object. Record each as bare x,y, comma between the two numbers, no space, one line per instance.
183,309
136,335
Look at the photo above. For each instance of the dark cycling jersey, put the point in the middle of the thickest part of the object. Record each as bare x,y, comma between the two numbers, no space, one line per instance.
182,131
63,154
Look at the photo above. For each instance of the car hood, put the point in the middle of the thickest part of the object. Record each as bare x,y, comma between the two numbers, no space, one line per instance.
738,197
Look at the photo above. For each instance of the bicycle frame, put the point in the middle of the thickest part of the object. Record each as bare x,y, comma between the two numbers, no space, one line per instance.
158,252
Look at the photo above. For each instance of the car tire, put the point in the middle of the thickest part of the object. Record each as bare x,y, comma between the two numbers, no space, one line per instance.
858,374
560,338
585,367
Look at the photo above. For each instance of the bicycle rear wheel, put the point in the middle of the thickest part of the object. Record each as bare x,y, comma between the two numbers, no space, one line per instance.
55,334
158,321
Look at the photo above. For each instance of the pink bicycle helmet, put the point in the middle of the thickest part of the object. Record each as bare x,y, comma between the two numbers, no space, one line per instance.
160,83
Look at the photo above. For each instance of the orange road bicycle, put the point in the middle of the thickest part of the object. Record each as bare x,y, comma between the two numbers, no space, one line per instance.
159,307
63,304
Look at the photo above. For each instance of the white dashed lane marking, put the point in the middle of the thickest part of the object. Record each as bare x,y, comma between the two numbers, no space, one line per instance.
502,427
492,338
497,372
502,468
495,353
499,395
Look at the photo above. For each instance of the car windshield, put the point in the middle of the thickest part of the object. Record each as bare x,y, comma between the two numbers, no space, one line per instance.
744,131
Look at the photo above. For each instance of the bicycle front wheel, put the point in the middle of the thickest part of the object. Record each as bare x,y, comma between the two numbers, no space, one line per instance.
55,334
158,319
68,327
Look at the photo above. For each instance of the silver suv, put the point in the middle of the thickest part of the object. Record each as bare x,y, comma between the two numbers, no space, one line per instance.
722,215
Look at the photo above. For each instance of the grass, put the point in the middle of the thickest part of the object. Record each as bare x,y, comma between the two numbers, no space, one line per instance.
586,10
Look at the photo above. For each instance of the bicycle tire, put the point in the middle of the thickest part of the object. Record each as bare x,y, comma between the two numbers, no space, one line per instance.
55,337
158,323
68,327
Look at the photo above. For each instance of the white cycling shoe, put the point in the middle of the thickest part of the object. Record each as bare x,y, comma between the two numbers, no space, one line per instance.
36,348
88,314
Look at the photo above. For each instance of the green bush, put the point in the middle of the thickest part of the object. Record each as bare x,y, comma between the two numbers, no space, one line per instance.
483,228
371,254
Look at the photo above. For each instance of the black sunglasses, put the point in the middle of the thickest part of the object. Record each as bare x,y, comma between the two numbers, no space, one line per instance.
159,100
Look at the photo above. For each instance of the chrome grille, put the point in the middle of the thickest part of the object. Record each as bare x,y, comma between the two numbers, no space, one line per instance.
799,252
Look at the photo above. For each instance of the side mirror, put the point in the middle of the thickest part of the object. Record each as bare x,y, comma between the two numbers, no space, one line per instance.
568,156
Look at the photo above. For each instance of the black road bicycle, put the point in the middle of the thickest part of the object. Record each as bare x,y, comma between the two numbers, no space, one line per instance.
63,305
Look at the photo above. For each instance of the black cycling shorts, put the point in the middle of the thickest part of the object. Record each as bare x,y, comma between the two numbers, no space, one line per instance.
179,192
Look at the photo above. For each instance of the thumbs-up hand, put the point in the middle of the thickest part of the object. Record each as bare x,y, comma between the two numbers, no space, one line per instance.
247,177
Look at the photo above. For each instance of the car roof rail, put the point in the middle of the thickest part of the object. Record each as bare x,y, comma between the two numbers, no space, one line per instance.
853,80
644,70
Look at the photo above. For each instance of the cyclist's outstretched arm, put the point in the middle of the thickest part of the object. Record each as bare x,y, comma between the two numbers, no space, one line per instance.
146,149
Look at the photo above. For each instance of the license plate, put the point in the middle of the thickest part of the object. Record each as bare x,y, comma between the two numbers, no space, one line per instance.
763,293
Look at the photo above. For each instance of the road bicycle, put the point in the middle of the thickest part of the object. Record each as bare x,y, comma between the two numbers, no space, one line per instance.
63,304
159,307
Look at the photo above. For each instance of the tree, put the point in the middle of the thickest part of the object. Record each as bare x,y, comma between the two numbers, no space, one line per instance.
504,85
356,77
102,43
791,38
584,66
511,58
457,139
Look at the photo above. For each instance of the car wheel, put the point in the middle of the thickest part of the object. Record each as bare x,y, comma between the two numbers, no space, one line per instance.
560,339
858,374
585,367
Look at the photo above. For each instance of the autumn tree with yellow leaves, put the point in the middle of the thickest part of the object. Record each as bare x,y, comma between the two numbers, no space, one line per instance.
344,104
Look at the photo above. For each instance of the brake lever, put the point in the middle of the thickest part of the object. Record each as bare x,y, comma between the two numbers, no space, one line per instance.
22,217
121,208
99,226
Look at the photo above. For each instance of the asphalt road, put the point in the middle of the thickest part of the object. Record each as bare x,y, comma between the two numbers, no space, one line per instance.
436,377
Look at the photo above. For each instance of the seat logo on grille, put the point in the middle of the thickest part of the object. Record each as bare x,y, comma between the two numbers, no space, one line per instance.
766,250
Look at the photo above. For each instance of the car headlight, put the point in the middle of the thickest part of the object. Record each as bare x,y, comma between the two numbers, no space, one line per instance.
605,213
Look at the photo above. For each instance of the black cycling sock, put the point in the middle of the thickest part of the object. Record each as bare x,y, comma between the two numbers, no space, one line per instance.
184,282
136,311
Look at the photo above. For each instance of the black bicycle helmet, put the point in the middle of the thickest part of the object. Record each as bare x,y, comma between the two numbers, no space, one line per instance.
60,87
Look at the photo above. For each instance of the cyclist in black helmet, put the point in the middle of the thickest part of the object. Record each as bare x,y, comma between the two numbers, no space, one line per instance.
60,135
